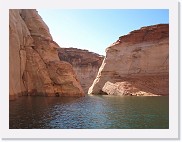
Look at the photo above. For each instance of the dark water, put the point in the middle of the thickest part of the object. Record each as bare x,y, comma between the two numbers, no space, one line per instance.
91,112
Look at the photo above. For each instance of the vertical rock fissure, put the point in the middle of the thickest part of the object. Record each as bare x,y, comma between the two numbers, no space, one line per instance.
36,68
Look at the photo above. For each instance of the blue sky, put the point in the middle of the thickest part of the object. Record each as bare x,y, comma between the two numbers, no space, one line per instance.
96,29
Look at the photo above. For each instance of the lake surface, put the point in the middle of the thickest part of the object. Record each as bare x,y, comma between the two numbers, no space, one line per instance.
90,112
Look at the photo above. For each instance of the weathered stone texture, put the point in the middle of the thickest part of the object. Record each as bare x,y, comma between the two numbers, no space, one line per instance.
35,68
85,64
138,60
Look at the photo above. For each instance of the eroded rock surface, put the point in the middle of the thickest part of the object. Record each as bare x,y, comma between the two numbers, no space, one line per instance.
35,68
85,64
137,62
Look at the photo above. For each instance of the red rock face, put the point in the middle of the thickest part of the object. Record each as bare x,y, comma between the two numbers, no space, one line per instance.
35,68
85,64
139,60
146,34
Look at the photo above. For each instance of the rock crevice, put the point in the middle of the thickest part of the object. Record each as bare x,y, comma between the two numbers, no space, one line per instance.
85,64
34,59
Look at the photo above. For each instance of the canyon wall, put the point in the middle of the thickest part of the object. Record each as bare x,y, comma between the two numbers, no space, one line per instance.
136,64
85,64
34,65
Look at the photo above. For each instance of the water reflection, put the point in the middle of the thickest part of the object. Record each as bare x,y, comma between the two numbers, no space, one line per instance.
91,112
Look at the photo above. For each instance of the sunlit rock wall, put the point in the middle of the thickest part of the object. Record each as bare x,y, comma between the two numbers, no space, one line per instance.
35,68
137,62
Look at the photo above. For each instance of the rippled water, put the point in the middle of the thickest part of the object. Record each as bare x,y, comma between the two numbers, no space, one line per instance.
91,112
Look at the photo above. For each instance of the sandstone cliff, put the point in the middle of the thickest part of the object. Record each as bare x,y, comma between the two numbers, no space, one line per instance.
136,64
35,68
85,64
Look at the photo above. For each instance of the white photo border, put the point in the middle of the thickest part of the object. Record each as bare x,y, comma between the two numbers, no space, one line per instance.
171,133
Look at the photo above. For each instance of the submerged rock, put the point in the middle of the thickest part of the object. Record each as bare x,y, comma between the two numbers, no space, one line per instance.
139,60
35,68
